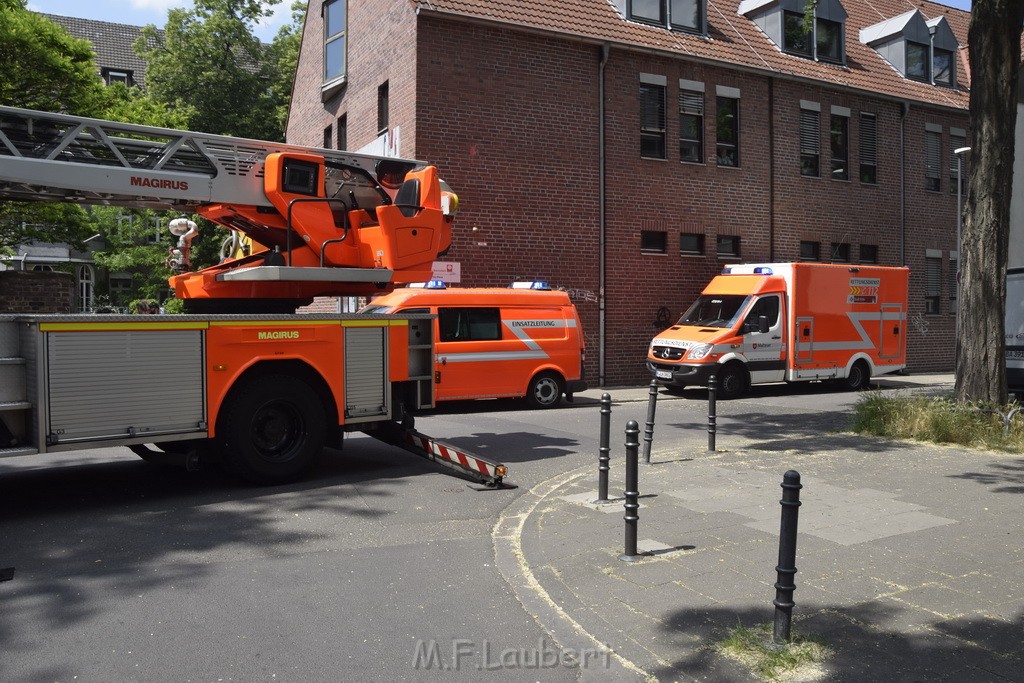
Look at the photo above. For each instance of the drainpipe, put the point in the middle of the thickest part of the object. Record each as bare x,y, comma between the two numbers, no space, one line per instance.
602,227
904,110
771,170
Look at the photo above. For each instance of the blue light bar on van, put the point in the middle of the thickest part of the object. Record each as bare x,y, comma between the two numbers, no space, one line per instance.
763,270
433,284
535,284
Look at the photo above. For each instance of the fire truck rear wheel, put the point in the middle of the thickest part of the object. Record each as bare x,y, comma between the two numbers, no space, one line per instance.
545,390
273,429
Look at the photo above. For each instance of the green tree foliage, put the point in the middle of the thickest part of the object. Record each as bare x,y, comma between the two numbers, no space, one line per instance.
207,59
42,67
283,57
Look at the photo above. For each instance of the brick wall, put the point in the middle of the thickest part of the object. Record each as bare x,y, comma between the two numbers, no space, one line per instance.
511,120
36,292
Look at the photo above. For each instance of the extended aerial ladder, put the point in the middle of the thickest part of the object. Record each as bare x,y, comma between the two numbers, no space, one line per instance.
261,393
330,222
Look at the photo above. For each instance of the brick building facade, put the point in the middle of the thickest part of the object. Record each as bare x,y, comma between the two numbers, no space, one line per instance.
572,131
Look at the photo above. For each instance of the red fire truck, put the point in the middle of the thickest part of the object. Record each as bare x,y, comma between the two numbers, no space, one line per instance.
239,379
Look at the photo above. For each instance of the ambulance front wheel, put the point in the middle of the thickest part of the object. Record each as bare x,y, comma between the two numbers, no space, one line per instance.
545,390
272,429
733,381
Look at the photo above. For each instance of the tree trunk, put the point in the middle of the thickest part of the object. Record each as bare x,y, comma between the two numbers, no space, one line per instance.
994,46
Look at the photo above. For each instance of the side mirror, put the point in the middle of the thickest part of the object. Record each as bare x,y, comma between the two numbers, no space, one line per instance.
762,324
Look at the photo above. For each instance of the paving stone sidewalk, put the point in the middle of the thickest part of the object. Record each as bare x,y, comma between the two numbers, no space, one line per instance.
910,565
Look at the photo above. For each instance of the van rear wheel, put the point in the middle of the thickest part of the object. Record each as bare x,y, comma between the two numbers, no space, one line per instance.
545,390
859,377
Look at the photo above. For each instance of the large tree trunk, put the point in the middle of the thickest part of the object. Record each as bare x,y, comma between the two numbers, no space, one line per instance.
994,47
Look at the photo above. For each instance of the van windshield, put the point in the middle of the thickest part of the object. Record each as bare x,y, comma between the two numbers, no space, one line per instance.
375,310
715,311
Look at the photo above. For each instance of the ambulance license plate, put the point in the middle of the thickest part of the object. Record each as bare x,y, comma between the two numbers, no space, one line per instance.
663,374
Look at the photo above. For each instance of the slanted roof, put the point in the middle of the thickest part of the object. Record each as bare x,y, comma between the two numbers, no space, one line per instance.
884,30
113,43
732,39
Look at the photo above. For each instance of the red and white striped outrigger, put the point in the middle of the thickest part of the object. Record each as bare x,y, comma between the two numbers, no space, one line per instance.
446,455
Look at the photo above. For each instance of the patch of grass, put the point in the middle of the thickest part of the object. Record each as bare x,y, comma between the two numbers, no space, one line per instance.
939,420
798,660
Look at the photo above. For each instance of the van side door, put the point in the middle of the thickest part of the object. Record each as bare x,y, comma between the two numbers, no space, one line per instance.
465,355
765,351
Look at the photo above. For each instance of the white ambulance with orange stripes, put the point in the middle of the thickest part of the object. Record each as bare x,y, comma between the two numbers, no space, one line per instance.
787,322
523,341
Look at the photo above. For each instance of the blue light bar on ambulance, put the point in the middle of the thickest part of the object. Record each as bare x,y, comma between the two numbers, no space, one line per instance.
763,270
535,284
432,284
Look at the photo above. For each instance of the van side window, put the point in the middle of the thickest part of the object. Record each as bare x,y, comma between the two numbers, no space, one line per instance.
469,324
768,307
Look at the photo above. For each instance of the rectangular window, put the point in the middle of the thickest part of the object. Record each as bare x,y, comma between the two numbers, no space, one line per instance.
829,43
691,126
653,242
469,324
839,138
932,165
868,150
942,67
868,253
652,11
810,251
343,131
328,137
954,272
652,121
727,246
840,252
810,142
691,244
917,62
382,108
685,14
334,39
957,164
932,284
116,76
727,123
796,39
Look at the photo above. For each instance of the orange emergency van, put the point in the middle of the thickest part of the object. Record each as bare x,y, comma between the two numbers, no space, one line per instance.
787,322
523,341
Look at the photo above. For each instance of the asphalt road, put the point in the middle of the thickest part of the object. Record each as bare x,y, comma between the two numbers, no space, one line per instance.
380,566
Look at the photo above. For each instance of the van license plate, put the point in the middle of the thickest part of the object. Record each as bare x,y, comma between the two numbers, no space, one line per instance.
663,374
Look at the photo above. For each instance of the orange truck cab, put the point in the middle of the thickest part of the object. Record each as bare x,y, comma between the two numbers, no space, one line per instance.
523,341
787,322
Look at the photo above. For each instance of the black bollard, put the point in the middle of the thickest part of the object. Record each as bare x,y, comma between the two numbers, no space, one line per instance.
603,451
712,411
632,492
652,404
786,569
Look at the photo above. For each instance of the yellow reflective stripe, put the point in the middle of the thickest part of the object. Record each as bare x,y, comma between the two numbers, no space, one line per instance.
374,323
270,323
103,327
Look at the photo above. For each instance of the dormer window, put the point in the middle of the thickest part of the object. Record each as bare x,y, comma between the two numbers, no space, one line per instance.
921,50
678,15
784,21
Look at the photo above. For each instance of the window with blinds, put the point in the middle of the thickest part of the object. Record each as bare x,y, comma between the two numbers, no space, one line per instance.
839,138
652,121
810,142
932,165
868,149
932,284
691,126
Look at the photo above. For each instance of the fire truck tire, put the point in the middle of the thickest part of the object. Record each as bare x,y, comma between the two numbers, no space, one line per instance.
859,377
272,430
733,381
545,390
